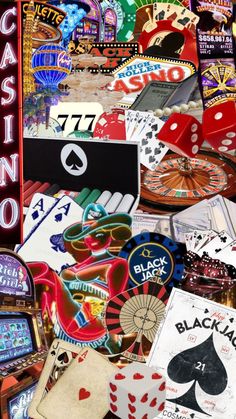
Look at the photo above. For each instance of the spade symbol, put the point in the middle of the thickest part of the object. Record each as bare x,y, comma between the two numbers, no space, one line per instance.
63,358
73,161
203,365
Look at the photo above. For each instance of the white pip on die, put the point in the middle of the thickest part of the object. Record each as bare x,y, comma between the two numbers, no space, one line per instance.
137,392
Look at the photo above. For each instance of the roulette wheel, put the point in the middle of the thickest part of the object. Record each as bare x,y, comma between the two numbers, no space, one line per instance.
137,311
178,182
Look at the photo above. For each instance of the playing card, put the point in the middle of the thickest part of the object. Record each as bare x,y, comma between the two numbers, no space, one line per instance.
82,390
184,18
59,357
203,238
152,151
39,206
228,254
212,248
45,243
198,361
189,241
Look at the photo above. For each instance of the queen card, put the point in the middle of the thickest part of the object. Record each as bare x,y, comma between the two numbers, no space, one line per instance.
196,350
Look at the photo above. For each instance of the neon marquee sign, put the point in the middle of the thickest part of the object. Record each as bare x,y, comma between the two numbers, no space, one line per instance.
10,123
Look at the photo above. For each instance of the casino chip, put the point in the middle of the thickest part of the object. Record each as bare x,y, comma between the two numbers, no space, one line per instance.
126,16
80,134
41,130
110,125
152,254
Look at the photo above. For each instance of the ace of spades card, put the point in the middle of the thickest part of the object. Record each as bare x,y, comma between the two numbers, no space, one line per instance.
195,348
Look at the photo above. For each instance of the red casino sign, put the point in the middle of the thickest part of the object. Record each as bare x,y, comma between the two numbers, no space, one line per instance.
10,123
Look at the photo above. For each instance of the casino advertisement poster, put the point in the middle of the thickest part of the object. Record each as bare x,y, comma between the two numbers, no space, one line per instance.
117,209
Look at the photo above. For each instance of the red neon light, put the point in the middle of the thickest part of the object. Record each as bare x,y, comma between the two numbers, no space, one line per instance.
11,166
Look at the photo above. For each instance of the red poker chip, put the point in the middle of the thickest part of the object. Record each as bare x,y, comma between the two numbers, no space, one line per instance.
111,125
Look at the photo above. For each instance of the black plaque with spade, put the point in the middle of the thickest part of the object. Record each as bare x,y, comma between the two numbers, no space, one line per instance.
196,350
74,164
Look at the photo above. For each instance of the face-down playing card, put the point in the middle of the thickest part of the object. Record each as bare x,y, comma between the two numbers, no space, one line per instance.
82,390
59,357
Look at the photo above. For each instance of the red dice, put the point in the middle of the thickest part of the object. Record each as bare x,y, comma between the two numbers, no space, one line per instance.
219,126
182,134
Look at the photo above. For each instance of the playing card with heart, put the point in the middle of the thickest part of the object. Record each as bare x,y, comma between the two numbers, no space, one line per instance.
199,359
40,244
59,357
81,391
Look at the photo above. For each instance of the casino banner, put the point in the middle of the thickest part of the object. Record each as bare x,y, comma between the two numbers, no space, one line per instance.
10,123
106,57
134,73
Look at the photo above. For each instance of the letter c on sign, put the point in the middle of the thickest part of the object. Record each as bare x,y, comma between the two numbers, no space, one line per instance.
3,22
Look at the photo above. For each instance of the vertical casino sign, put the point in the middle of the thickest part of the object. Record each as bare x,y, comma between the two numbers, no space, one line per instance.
10,123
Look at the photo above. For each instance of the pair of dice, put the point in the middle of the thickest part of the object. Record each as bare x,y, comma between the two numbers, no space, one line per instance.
184,134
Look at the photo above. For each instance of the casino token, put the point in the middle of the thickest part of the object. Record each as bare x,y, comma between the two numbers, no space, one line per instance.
36,130
80,134
111,125
126,16
152,254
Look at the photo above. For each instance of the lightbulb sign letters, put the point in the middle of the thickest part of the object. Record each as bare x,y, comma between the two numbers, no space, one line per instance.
10,123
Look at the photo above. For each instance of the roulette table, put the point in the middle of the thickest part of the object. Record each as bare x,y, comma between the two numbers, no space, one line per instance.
178,183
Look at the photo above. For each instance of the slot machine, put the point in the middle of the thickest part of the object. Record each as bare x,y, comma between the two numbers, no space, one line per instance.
23,346
110,25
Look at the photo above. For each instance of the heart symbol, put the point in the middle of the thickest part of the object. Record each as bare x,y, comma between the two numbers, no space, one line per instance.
153,402
145,416
113,407
53,353
161,407
156,376
144,141
113,397
132,408
132,398
113,387
84,394
138,376
119,377
144,399
82,357
162,386
131,416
